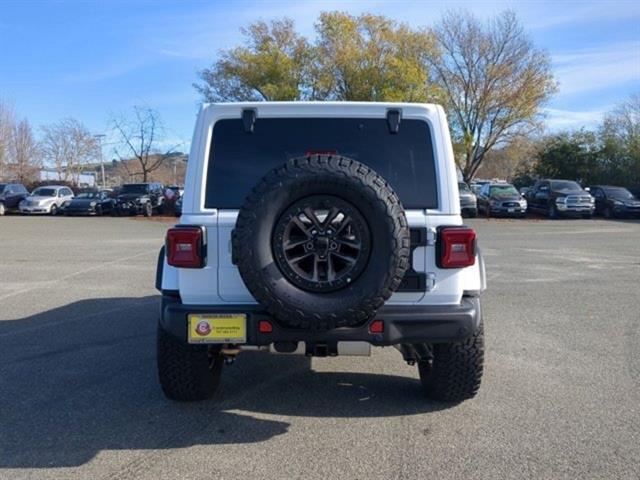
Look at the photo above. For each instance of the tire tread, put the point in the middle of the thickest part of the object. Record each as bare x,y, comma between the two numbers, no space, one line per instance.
364,178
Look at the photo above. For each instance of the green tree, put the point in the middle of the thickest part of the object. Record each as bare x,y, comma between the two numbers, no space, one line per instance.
570,155
367,58
370,58
495,81
273,64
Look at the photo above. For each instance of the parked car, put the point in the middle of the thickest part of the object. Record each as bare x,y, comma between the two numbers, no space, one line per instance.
177,207
477,185
316,253
140,198
501,200
468,201
614,202
11,194
49,199
556,198
92,202
177,190
523,191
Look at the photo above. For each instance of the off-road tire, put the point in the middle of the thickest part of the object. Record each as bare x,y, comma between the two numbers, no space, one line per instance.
455,372
302,178
187,372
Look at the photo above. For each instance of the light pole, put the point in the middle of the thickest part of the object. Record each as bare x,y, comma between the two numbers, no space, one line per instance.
99,137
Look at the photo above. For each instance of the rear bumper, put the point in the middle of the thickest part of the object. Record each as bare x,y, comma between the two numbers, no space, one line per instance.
500,211
79,211
403,324
470,210
628,212
28,210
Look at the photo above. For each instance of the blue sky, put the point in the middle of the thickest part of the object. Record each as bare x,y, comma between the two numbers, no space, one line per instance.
90,59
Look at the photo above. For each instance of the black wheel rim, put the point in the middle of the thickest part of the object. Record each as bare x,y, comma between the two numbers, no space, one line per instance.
321,243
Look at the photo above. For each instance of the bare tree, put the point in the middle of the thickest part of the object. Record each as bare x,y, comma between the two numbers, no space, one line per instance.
495,82
622,125
68,146
140,137
506,161
7,122
25,161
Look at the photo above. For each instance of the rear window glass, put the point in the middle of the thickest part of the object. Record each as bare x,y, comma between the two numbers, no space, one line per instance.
238,159
566,185
503,191
135,188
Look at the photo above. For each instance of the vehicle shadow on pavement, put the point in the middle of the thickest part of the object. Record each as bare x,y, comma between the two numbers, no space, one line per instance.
81,379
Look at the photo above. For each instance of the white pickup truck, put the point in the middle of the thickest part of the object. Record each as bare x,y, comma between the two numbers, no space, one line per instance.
321,229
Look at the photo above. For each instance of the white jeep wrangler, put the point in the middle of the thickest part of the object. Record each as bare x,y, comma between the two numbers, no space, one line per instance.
321,229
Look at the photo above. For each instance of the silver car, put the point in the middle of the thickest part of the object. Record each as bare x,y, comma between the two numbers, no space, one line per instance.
468,201
48,199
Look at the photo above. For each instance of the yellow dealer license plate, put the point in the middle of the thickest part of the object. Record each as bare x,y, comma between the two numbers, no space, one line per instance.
218,328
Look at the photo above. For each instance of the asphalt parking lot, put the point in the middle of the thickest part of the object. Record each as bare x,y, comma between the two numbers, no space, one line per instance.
79,397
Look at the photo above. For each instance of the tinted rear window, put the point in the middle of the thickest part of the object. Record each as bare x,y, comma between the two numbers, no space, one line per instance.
135,188
566,185
238,159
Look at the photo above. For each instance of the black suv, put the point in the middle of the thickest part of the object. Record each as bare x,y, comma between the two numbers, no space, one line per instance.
614,202
555,198
11,194
140,198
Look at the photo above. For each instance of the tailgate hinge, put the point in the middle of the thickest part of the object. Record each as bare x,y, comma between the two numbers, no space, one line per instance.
431,281
432,235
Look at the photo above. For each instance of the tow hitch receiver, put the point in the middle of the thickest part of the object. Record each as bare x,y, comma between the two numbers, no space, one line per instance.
321,350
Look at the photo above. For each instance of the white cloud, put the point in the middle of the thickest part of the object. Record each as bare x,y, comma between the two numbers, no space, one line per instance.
558,119
541,15
598,67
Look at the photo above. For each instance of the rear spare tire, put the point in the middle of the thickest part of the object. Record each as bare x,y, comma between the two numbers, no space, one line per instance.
321,242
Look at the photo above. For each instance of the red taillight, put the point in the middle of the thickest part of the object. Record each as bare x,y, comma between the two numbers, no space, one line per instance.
264,326
457,247
377,326
185,247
